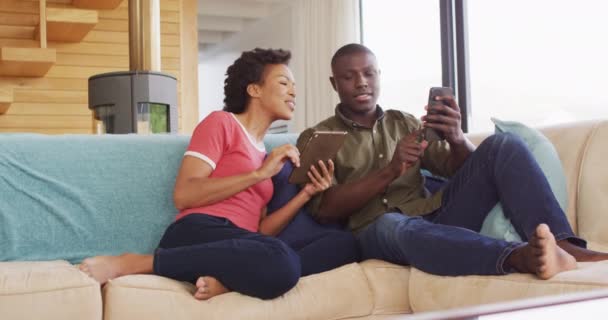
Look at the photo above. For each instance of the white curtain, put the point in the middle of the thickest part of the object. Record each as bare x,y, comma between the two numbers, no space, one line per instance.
320,27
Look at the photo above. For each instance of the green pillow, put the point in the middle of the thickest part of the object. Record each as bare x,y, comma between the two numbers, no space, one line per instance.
496,225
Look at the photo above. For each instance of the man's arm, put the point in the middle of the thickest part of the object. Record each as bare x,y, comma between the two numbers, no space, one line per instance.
459,152
341,201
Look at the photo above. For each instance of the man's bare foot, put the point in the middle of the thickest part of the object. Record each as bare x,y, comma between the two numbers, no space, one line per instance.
208,287
542,256
104,268
582,254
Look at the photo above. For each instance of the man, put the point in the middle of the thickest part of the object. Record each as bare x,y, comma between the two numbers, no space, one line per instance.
379,190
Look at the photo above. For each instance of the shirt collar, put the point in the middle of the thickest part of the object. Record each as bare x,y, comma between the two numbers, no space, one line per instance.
352,124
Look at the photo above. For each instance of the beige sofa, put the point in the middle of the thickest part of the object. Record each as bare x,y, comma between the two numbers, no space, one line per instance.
369,290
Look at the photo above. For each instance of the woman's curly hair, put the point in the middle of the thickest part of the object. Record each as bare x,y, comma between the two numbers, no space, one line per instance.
248,69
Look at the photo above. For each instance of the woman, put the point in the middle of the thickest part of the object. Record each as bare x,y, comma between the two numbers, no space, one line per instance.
222,238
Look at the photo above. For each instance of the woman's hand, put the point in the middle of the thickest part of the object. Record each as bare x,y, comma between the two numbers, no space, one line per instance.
320,181
276,222
276,159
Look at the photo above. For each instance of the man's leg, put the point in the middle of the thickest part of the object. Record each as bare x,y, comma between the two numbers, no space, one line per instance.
503,169
453,251
433,248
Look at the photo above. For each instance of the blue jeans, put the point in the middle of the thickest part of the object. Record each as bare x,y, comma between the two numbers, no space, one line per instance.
320,247
243,261
446,241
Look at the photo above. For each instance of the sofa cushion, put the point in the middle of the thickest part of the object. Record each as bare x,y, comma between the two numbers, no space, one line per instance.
390,285
272,141
73,196
47,290
496,224
592,189
429,292
337,294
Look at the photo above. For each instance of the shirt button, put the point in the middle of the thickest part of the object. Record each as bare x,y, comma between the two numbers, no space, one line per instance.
381,156
384,201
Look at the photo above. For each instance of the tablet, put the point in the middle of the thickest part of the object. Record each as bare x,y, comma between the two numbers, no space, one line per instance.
322,145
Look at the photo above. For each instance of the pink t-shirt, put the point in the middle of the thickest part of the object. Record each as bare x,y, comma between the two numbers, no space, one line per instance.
221,141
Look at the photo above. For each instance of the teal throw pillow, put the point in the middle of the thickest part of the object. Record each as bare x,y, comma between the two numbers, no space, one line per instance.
496,225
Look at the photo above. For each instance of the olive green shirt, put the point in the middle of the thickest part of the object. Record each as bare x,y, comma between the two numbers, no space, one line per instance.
367,150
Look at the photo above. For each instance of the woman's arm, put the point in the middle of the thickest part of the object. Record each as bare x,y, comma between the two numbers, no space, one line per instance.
275,223
194,187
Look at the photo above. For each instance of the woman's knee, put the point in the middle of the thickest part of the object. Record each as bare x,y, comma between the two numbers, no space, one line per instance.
343,244
282,272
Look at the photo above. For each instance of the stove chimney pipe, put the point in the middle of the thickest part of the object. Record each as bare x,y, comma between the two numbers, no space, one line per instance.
144,35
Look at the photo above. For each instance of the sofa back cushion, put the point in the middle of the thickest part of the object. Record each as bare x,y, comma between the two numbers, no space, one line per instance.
73,196
274,140
592,205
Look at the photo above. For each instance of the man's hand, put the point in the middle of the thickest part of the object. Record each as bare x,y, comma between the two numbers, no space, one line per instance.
320,181
275,160
444,117
407,152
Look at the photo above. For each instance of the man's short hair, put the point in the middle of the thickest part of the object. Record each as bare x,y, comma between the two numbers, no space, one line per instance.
349,49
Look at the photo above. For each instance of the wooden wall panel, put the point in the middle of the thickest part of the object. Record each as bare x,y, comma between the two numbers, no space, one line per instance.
49,109
93,60
16,19
58,102
17,32
47,130
8,121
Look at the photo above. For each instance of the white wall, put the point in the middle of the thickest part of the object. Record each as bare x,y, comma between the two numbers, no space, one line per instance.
312,30
273,32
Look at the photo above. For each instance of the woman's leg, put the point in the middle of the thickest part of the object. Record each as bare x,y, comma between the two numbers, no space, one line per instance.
214,249
242,261
326,249
104,268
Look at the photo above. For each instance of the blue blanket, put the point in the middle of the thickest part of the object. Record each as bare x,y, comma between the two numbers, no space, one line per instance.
73,196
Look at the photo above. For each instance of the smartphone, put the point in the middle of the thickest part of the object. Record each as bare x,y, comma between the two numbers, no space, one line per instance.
430,134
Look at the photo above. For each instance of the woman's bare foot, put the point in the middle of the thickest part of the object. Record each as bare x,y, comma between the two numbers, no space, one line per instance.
104,268
208,287
542,256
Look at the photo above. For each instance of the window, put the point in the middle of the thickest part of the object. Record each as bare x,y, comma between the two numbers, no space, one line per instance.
405,36
540,62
